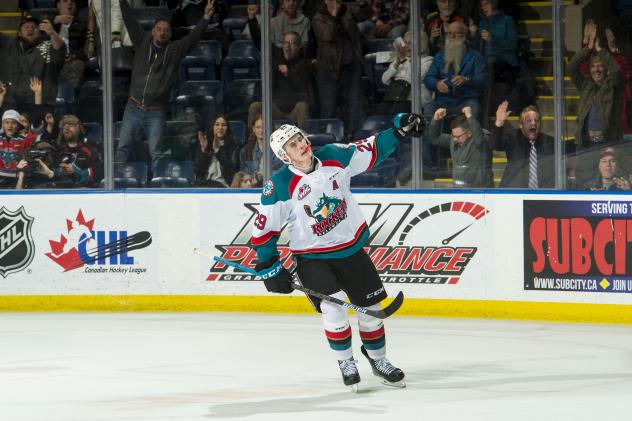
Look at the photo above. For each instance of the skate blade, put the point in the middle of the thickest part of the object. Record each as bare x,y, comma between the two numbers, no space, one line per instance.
354,388
399,385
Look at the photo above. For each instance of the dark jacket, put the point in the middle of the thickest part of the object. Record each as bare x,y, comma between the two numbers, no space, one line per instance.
153,72
608,96
22,62
228,158
296,86
76,36
518,148
330,32
86,162
472,161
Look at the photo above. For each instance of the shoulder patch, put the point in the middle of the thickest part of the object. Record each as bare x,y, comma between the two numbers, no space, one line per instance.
268,188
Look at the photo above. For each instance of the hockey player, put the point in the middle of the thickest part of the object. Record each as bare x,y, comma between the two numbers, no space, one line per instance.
327,234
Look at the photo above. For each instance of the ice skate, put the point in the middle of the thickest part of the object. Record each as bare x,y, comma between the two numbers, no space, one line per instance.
350,375
391,375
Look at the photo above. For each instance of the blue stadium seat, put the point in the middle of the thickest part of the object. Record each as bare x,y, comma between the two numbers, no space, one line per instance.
65,97
200,93
278,123
201,108
241,62
46,4
43,11
180,136
207,48
146,16
236,10
94,133
173,174
374,71
197,68
234,25
377,122
130,174
333,126
382,176
380,44
321,139
239,94
238,128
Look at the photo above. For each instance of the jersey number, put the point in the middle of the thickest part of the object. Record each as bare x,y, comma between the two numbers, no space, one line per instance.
363,146
260,221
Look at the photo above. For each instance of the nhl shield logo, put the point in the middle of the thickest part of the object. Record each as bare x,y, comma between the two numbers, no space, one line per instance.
17,247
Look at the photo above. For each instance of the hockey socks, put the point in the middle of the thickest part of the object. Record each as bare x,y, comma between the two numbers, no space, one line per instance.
372,334
337,328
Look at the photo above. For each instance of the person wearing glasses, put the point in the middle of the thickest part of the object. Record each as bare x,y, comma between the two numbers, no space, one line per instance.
469,148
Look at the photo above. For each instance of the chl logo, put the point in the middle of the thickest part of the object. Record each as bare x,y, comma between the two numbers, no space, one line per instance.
16,243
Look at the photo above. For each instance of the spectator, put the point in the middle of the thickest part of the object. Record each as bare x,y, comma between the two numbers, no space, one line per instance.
389,19
13,143
469,148
120,37
79,164
608,177
73,30
187,13
340,61
457,75
252,29
610,40
520,145
49,131
437,23
242,180
34,171
30,56
289,19
155,67
497,39
251,155
293,84
398,77
599,110
218,143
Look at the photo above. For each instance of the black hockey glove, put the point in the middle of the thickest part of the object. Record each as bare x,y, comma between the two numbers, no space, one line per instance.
408,125
281,283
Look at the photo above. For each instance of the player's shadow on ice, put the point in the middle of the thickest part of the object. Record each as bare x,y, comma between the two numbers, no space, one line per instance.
338,402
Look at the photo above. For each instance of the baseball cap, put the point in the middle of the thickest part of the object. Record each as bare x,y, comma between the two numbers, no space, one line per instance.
11,115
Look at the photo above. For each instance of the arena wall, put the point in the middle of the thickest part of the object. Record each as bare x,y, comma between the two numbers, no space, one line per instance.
543,256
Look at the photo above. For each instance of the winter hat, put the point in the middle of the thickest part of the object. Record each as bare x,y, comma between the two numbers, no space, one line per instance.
69,118
11,115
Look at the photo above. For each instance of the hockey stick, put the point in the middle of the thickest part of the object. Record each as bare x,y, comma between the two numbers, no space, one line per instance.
380,314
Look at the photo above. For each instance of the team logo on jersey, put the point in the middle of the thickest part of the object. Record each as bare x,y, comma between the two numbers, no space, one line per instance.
268,188
16,243
303,191
328,213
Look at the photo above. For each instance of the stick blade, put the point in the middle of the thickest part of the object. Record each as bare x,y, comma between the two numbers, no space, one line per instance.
392,307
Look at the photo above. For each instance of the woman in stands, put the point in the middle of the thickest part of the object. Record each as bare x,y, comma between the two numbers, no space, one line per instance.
251,156
216,155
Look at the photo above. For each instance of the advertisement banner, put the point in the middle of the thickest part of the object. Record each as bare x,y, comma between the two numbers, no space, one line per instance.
578,245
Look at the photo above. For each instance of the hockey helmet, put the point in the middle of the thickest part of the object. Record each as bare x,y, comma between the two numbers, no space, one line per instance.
281,136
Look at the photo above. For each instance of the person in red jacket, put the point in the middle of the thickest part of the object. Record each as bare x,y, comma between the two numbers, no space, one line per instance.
13,143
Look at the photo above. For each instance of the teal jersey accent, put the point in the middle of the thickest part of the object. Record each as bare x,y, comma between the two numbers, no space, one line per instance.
353,249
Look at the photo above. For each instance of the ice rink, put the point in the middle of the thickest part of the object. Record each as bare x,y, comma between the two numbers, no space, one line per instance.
220,366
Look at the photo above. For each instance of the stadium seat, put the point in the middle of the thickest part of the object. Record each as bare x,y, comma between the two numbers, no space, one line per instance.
65,97
204,93
43,11
94,134
375,70
173,174
146,16
321,139
238,129
241,62
331,126
201,108
130,174
238,96
208,48
197,68
179,139
377,122
234,25
381,176
380,44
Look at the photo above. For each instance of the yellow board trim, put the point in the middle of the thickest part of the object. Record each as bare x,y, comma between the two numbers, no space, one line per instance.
514,310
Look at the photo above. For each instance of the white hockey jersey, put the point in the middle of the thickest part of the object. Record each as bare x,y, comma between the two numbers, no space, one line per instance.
324,219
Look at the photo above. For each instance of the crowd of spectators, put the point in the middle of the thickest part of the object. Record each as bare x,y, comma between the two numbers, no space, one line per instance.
325,60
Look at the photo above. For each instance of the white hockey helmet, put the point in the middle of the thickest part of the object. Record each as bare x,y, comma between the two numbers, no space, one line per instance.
280,136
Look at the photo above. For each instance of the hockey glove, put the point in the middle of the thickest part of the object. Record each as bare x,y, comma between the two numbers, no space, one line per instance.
408,124
275,277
